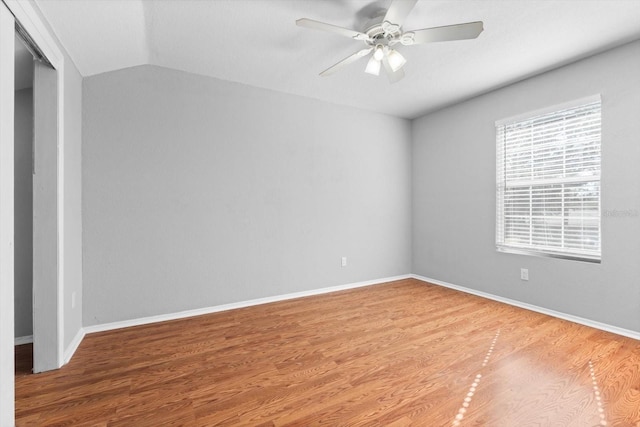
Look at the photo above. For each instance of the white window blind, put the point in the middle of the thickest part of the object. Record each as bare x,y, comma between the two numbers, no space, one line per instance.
548,182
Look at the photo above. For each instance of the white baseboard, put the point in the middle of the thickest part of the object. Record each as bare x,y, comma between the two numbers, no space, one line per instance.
242,304
23,340
587,322
70,351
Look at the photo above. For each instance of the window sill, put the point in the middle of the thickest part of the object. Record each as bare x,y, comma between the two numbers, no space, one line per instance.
571,257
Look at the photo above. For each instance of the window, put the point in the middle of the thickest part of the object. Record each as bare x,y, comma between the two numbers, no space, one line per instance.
548,182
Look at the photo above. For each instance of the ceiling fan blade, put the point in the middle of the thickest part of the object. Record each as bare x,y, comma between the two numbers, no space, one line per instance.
470,30
346,61
398,11
394,77
317,25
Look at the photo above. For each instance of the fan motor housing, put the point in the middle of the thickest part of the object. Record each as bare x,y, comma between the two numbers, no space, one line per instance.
378,31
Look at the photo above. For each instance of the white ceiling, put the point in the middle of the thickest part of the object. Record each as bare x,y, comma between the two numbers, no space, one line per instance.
256,42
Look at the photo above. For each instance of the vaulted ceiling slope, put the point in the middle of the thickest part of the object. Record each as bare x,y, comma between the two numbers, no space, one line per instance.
256,42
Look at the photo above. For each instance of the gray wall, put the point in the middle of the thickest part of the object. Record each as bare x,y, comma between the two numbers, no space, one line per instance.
199,192
454,194
23,210
46,233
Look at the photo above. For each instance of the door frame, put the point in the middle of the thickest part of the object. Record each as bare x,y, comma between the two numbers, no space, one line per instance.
7,88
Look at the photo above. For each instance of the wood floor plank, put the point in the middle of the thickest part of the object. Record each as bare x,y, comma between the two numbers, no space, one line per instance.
397,354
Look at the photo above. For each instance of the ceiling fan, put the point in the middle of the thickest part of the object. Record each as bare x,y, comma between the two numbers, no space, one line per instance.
385,31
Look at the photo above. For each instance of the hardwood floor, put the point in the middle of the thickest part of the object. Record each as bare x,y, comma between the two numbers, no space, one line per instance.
24,359
398,354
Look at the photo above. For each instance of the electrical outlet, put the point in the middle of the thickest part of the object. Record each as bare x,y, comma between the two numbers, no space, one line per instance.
524,274
344,261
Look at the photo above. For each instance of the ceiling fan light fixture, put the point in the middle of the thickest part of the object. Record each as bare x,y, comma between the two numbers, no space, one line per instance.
378,53
396,60
373,66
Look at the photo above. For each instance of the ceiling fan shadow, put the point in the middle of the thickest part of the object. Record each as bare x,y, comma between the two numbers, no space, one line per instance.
369,12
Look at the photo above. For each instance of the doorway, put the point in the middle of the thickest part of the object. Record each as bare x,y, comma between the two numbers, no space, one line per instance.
36,192
23,206
43,221
48,245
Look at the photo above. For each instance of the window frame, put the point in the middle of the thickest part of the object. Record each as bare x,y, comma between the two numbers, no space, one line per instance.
502,185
